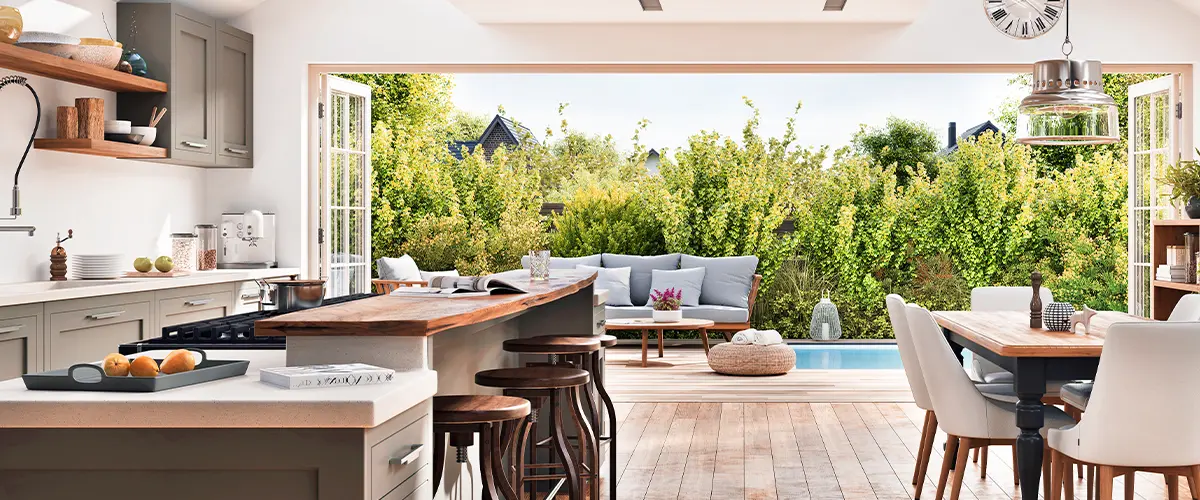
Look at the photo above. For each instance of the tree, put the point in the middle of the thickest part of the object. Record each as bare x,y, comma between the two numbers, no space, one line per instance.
465,126
909,145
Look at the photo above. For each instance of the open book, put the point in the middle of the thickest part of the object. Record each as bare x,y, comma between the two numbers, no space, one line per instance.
461,286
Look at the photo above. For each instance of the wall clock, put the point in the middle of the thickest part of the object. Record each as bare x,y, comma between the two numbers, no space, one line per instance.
1024,19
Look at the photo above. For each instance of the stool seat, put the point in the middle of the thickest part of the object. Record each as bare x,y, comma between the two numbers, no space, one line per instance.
536,377
478,409
607,340
553,345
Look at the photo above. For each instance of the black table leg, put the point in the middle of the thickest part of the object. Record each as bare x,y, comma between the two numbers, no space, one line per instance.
1031,386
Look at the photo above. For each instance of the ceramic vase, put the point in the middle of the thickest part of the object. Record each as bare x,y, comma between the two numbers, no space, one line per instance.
11,25
1193,207
668,316
136,63
1057,316
826,323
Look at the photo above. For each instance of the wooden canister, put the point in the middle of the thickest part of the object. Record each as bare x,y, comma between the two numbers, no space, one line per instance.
68,122
91,117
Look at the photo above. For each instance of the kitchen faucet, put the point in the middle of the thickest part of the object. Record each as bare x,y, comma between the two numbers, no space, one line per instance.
15,211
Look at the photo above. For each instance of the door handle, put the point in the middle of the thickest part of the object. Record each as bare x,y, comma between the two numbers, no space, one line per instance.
409,458
237,151
196,145
251,296
197,302
107,315
4,330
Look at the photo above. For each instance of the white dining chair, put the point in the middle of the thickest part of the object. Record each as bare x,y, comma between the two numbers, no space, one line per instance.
1001,298
1142,412
916,383
969,419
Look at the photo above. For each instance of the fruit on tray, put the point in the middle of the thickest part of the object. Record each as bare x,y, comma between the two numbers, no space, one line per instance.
164,264
144,366
116,365
179,361
143,264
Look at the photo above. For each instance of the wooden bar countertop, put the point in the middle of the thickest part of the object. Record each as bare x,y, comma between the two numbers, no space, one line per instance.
389,315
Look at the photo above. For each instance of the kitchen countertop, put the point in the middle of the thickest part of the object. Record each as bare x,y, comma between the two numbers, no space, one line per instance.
239,402
50,291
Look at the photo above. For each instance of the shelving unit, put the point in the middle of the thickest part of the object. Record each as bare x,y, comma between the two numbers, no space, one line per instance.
71,71
96,147
1165,294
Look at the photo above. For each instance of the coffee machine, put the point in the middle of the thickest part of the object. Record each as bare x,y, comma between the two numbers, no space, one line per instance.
247,240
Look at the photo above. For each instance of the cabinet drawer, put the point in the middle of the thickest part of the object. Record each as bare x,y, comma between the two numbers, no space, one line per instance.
418,487
199,307
598,319
247,297
18,347
87,335
398,457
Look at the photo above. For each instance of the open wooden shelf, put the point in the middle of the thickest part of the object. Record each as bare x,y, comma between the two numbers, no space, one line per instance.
96,147
1178,223
67,70
1187,287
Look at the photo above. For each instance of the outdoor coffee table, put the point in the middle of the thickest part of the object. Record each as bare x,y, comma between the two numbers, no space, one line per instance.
647,324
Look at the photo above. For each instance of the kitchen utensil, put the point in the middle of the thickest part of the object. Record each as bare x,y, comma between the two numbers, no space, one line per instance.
149,134
210,244
47,37
240,248
101,42
104,56
157,115
91,377
58,257
94,266
291,295
68,122
117,126
125,138
11,24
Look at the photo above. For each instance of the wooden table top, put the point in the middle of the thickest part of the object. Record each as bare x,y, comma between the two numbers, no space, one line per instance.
407,316
650,324
1008,334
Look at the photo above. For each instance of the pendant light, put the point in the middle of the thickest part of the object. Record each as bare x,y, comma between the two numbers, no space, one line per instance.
1068,105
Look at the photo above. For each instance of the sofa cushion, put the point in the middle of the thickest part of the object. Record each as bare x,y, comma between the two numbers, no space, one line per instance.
430,275
727,280
403,268
716,314
639,276
566,262
687,281
615,280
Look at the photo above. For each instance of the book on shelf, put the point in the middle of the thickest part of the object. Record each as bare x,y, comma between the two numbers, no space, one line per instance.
313,376
461,286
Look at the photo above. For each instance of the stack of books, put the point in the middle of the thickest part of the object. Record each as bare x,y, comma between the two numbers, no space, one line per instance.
1176,274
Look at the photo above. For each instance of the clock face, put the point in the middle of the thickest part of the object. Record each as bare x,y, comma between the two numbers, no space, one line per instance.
1024,19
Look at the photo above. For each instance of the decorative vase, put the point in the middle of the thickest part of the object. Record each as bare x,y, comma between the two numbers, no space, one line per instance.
668,316
826,323
1057,316
136,63
1193,207
11,25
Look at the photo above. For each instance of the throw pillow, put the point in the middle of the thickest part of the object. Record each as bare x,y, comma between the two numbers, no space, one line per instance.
727,280
566,262
401,269
427,276
613,279
688,281
640,268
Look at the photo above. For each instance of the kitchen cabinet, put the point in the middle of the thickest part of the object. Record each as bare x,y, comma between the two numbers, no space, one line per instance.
247,297
85,330
185,305
208,67
20,341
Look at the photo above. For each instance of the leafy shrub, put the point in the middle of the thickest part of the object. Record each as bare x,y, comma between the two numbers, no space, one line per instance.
612,219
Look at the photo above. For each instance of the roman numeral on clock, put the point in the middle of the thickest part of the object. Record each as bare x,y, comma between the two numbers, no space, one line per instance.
999,14
1041,25
1051,12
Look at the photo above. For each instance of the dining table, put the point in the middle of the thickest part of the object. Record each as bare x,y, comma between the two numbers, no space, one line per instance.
1034,356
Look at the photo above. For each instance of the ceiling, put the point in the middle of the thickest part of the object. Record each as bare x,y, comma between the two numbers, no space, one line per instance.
223,9
688,11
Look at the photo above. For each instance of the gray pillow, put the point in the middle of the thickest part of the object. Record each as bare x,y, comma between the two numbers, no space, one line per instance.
401,269
689,281
727,280
615,280
566,262
639,275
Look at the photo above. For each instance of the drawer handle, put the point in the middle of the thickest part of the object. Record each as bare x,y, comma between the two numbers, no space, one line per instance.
252,296
197,302
196,145
4,330
237,151
107,315
409,458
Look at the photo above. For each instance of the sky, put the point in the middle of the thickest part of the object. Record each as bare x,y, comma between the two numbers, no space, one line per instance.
679,105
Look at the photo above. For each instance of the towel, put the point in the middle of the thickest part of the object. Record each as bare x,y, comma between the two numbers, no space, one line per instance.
767,337
744,337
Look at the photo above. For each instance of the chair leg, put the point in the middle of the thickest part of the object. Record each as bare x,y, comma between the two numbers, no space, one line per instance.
1057,476
1068,481
926,453
1046,466
439,458
1105,483
1194,481
960,467
1091,482
983,463
947,458
975,457
1172,486
1129,480
1016,477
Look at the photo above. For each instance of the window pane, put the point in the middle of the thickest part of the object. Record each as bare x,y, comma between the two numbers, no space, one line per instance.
338,179
355,132
356,165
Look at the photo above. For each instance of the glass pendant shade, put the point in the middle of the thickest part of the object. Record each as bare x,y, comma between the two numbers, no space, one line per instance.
1068,106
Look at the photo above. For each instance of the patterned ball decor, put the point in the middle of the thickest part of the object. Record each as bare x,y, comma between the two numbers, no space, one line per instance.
1057,316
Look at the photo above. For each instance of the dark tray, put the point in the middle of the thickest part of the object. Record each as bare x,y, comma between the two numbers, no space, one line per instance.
90,377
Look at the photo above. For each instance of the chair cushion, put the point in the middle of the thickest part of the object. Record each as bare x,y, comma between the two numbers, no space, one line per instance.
430,275
641,267
687,281
751,359
1006,393
628,312
615,280
716,314
1077,394
403,268
727,280
566,262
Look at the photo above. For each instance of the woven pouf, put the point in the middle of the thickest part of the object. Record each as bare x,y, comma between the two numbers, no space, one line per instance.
732,359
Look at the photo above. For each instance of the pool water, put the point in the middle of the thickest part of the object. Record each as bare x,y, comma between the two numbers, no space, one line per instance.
847,357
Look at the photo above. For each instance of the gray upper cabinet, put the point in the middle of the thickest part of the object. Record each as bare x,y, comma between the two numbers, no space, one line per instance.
208,67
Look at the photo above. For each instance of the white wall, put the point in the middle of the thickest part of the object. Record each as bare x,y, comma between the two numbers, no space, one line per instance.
114,206
291,34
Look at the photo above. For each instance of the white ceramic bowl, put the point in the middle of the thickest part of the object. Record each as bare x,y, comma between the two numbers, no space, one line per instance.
47,37
99,55
148,134
117,126
63,50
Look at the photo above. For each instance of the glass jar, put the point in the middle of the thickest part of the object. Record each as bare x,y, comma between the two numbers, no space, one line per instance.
210,238
184,247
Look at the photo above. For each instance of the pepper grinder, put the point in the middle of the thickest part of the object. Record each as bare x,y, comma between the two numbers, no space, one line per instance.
1035,305
58,257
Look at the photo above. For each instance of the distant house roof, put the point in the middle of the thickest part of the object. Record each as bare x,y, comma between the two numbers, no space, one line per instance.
971,133
653,158
456,147
500,132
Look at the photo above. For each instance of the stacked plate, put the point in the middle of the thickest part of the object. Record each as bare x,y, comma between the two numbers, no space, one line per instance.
96,267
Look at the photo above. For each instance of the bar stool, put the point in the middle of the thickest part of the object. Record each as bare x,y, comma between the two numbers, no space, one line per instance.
595,366
551,388
496,419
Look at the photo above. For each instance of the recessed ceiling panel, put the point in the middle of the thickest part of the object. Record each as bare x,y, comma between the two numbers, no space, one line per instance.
690,11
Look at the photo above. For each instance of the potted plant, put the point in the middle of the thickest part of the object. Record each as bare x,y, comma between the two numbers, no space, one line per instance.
667,305
1184,178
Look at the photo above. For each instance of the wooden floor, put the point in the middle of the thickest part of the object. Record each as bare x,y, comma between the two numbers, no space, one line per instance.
725,451
683,376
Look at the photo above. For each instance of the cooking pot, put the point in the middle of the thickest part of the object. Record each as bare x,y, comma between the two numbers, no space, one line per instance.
291,295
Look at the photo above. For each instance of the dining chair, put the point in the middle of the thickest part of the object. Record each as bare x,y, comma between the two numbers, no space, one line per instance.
1141,415
1001,298
916,383
969,419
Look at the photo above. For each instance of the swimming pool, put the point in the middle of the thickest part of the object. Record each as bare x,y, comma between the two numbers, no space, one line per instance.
847,357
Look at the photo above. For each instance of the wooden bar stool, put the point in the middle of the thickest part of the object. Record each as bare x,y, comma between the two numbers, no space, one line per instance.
497,420
552,388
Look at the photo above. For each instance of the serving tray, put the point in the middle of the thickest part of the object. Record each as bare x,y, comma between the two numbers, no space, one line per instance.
91,377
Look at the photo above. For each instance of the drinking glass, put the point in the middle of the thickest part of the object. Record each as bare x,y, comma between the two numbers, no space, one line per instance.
539,265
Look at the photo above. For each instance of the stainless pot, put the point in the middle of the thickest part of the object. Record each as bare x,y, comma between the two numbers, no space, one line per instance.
291,295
